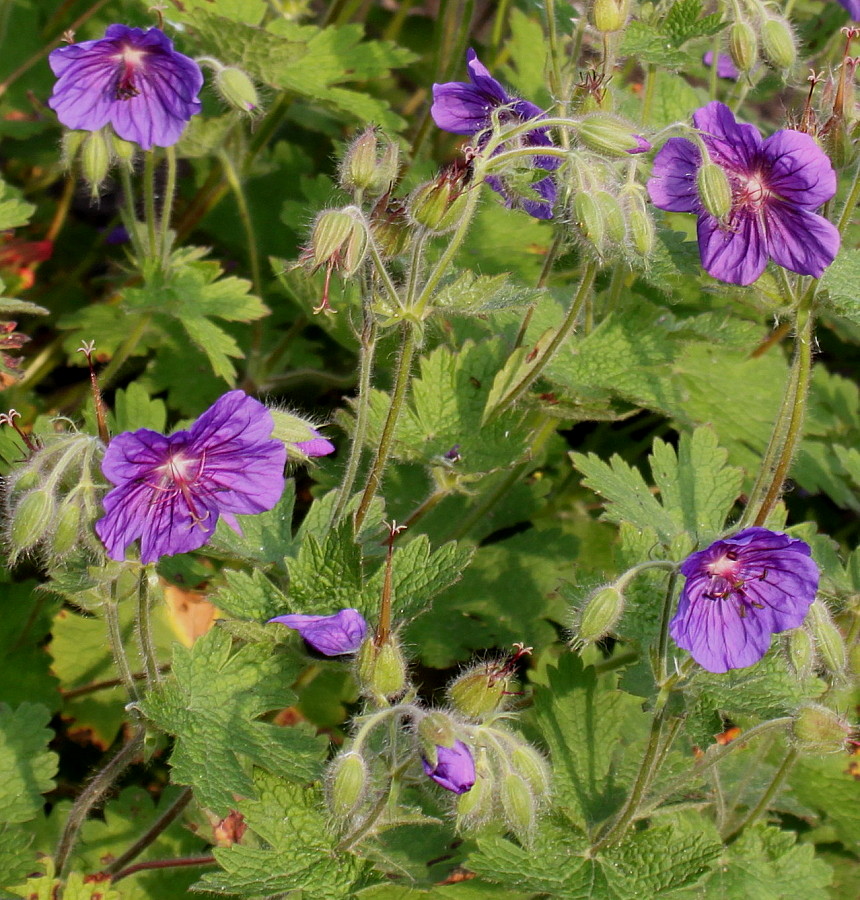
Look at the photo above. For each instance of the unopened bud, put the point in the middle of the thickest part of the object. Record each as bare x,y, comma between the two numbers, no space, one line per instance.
609,15
518,804
828,638
71,145
613,217
599,614
339,240
475,806
368,167
437,205
299,437
777,43
66,528
237,89
605,133
527,762
589,218
640,226
346,784
715,190
801,652
124,151
743,46
30,520
381,669
436,730
478,692
95,159
838,143
818,729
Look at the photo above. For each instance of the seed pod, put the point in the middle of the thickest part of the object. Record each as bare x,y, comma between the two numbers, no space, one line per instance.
478,692
437,205
339,240
777,43
715,190
346,783
743,46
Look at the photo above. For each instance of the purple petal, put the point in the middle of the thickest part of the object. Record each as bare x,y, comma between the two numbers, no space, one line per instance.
330,635
798,169
736,253
853,7
725,67
642,145
672,185
316,446
484,82
799,240
460,108
729,142
454,769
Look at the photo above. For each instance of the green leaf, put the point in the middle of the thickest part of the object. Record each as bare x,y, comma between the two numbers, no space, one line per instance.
215,343
297,852
13,212
212,702
587,725
829,786
475,295
17,859
74,887
527,49
134,409
684,21
266,537
27,767
838,284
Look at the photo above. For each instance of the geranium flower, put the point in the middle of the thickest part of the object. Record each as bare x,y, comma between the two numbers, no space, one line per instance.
467,108
740,591
454,769
330,635
132,79
170,491
775,185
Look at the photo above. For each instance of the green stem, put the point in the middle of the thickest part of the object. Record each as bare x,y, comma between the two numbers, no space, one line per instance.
245,218
850,201
167,817
117,644
713,77
554,54
648,93
764,801
149,203
398,395
93,794
546,269
124,351
558,339
362,414
128,213
148,581
167,205
665,618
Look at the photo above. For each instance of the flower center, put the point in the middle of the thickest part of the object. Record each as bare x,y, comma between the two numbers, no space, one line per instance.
130,59
180,474
728,577
751,192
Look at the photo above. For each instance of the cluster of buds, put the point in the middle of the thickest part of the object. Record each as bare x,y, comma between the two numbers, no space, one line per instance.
760,32
837,126
608,16
370,165
338,244
438,205
52,496
96,153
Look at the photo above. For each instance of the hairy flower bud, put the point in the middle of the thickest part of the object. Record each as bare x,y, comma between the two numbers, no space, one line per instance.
605,133
479,692
519,805
368,167
714,188
801,652
589,218
438,205
640,225
300,438
609,15
599,614
31,521
818,729
95,157
71,145
381,669
236,89
475,807
338,240
436,730
66,528
743,46
828,638
346,784
777,43
528,763
124,151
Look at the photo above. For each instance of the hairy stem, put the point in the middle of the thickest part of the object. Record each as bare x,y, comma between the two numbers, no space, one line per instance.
764,801
149,204
145,592
167,205
117,644
156,864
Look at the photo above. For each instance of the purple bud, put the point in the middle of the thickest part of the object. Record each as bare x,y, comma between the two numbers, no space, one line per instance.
316,446
642,146
454,769
330,635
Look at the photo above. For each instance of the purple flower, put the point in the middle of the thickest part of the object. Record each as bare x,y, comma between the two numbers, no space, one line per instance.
775,185
130,78
853,7
467,108
725,67
740,591
330,635
316,446
170,490
454,769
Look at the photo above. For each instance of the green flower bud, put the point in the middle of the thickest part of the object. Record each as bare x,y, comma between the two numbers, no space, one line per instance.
743,46
436,730
777,43
346,784
476,806
479,692
589,218
124,151
338,240
518,804
599,614
71,145
237,89
828,638
641,228
605,133
31,520
715,190
613,217
368,167
527,762
96,157
437,205
838,143
66,528
818,729
801,652
381,669
390,228
609,15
